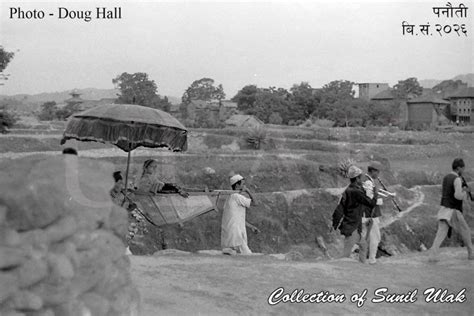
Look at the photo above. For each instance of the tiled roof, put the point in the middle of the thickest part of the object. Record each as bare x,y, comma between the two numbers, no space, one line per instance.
463,93
229,104
428,99
384,95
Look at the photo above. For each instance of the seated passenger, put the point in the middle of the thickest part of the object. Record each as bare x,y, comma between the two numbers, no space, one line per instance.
116,193
150,183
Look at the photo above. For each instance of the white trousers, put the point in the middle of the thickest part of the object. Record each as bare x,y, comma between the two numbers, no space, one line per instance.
373,237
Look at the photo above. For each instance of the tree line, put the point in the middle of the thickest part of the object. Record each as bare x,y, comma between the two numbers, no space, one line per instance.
302,103
335,101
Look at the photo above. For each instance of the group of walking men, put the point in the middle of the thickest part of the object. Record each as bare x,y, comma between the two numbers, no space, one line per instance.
358,212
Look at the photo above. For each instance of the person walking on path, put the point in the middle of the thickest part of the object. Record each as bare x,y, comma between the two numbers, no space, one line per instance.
450,213
233,230
370,220
348,214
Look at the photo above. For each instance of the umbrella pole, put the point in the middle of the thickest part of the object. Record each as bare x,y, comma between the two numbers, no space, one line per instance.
126,173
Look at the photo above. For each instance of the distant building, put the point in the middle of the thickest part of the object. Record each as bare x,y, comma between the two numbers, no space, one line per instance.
245,121
206,113
384,97
227,109
75,99
462,105
198,109
425,111
368,90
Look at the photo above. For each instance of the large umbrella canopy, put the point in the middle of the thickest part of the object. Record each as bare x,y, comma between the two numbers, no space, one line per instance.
127,126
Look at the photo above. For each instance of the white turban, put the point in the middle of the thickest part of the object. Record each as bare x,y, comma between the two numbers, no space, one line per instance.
236,178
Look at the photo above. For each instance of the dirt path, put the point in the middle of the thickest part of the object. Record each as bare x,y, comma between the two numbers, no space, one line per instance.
417,201
197,284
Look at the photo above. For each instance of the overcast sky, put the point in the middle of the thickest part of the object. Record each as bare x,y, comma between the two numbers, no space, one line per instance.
272,43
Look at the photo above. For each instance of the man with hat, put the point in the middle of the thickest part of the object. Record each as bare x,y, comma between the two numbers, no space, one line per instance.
348,215
233,231
370,219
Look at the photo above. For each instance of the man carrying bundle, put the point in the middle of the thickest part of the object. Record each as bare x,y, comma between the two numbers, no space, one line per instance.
348,214
450,213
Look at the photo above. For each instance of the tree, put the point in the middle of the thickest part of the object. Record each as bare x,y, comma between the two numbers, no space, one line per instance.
447,87
256,137
135,88
5,58
203,89
304,98
6,119
276,105
337,90
275,118
48,111
246,98
273,100
161,103
408,87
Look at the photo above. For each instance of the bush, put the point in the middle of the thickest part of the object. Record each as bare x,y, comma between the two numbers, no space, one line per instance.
48,111
256,137
275,118
7,119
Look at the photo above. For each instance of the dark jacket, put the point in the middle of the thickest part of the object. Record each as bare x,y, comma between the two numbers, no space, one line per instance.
448,200
351,208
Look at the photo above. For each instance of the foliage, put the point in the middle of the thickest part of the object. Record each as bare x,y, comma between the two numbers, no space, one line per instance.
204,119
447,87
161,103
337,90
358,112
138,89
304,99
5,58
135,88
275,118
203,89
334,102
68,110
406,88
317,122
256,137
7,119
246,98
48,111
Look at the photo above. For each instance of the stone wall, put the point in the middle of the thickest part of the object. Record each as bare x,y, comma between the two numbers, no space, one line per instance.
62,246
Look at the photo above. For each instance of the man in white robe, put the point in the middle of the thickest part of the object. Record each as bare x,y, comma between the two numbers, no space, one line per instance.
234,233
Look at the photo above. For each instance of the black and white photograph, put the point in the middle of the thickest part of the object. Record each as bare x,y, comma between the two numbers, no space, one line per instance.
225,157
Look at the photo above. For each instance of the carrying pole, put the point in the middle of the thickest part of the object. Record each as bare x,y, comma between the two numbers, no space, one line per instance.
126,172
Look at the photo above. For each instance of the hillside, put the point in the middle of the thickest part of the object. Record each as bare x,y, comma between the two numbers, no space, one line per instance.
59,97
430,83
28,100
468,78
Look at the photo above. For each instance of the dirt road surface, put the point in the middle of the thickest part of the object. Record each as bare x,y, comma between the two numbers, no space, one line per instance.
197,284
